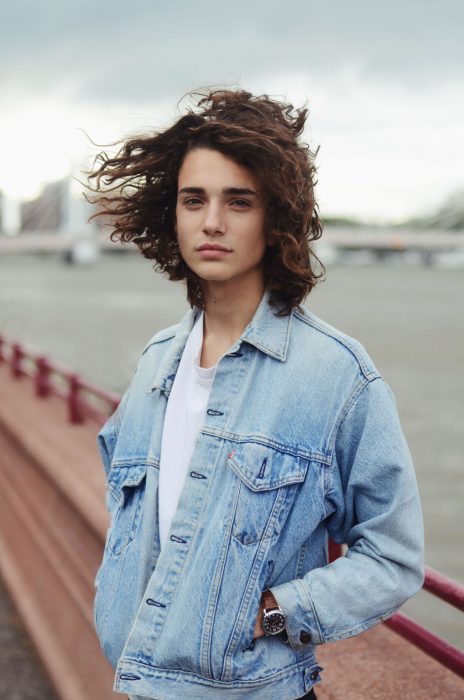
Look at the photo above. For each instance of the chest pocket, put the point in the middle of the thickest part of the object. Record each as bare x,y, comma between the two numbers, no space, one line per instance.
125,488
268,481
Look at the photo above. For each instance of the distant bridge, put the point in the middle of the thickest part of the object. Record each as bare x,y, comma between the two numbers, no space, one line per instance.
336,237
391,239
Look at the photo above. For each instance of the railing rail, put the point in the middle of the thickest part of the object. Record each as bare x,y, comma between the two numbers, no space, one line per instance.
85,400
451,592
445,588
434,645
442,587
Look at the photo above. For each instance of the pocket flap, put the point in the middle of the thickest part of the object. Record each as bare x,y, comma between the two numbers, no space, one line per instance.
262,468
121,477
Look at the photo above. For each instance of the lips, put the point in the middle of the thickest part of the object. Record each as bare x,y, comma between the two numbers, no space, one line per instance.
213,246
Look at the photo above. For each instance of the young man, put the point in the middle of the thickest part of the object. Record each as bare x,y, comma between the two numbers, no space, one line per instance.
252,431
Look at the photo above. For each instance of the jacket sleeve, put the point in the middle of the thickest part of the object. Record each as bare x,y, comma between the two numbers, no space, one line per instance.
377,513
108,434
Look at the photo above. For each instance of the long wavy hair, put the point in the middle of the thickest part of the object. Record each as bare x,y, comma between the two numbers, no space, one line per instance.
136,190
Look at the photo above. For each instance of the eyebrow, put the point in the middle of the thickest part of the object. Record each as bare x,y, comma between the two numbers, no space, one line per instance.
226,191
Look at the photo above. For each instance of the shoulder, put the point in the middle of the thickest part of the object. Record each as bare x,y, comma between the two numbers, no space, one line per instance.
338,348
162,336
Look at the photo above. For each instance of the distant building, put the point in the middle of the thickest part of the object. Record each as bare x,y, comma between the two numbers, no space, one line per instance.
451,214
47,211
448,217
59,208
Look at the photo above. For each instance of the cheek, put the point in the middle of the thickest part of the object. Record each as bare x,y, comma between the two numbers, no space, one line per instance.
180,230
254,242
181,242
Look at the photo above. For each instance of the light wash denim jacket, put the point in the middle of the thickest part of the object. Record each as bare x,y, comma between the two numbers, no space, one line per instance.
301,441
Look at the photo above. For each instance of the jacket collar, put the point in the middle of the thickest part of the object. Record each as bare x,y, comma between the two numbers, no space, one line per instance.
266,331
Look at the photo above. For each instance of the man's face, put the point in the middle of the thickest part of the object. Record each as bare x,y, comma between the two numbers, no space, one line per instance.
219,203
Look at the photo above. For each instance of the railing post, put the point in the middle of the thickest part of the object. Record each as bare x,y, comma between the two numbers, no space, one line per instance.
42,377
74,412
16,360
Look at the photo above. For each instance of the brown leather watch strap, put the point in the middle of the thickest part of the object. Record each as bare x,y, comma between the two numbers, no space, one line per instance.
268,600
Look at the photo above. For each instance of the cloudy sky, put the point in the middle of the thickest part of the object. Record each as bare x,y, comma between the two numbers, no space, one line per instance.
383,81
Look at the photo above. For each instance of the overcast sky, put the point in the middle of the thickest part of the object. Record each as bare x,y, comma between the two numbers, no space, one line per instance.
383,81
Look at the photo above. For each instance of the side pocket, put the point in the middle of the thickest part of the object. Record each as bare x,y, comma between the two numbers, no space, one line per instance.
125,491
248,641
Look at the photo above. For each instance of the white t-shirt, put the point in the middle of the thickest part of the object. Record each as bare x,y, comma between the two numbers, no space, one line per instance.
185,413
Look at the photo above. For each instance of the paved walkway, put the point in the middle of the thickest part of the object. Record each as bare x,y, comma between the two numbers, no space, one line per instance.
22,674
381,665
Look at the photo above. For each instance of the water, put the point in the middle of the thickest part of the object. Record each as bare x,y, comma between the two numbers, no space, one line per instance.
410,319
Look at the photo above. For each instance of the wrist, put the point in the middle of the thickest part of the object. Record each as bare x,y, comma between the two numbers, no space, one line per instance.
273,620
268,600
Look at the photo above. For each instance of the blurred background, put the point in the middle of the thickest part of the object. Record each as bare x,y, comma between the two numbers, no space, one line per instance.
385,90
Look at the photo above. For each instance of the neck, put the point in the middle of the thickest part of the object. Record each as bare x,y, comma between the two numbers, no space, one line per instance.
229,309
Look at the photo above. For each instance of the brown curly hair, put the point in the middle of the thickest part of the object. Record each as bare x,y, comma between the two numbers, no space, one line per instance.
137,189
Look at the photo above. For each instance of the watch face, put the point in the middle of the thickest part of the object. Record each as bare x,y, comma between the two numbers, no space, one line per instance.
274,622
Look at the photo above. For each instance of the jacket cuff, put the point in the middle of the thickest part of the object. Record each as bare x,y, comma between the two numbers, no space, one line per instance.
302,624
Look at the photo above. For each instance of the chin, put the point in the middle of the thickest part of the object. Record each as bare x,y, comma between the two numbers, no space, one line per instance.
213,277
211,274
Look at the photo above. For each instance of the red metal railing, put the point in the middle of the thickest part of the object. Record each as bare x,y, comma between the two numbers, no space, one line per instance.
82,398
442,587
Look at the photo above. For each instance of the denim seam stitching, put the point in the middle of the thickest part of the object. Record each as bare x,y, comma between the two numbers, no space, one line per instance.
290,670
208,627
121,463
232,646
343,341
313,607
166,334
347,408
366,624
265,442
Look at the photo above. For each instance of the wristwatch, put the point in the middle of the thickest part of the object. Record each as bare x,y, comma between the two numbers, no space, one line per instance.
273,617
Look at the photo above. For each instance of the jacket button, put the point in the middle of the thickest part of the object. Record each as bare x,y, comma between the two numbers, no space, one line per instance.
305,638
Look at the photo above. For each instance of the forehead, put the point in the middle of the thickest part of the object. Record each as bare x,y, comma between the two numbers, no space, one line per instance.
205,167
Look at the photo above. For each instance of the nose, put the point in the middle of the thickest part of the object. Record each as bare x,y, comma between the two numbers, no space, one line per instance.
214,221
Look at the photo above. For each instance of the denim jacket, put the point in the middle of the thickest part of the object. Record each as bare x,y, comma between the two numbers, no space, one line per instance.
301,442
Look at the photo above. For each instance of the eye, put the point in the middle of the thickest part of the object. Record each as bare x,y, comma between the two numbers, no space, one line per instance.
192,201
241,203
